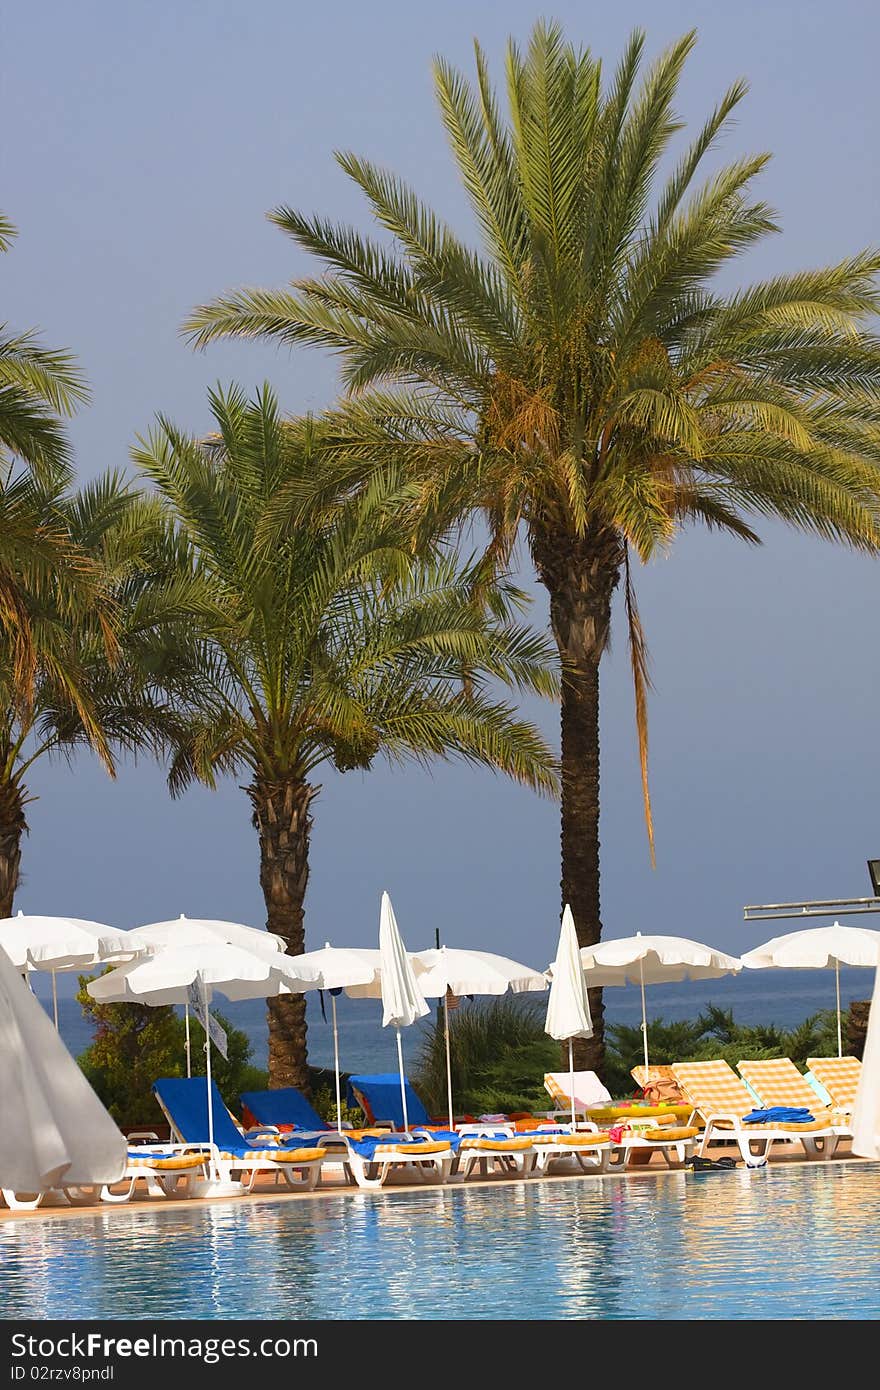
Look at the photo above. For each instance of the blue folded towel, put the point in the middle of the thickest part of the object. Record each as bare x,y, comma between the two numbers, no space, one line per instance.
453,1138
367,1146
779,1114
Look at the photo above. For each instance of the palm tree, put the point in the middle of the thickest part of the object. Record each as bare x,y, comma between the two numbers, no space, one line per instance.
579,376
327,644
99,676
37,387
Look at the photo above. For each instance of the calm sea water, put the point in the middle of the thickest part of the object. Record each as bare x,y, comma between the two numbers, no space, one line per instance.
783,997
779,1242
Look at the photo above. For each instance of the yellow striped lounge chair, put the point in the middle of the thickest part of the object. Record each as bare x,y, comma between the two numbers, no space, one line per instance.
722,1098
166,1169
777,1081
840,1078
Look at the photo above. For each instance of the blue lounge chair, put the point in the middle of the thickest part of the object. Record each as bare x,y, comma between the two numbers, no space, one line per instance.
239,1156
378,1095
368,1158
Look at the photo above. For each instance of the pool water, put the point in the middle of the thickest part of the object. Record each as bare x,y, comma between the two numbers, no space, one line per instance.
777,1242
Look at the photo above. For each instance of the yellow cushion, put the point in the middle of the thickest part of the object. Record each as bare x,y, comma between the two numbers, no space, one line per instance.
415,1150
501,1146
301,1155
609,1114
574,1141
178,1163
669,1135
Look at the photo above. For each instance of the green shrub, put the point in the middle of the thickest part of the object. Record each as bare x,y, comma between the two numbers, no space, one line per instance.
499,1053
134,1044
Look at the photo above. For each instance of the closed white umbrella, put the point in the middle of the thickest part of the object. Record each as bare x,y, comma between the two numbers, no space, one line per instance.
650,960
819,948
568,1008
57,944
866,1112
348,968
450,970
55,1129
402,1000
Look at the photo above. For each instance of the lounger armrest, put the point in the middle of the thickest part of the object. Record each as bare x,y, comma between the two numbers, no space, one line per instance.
713,1116
144,1134
258,1131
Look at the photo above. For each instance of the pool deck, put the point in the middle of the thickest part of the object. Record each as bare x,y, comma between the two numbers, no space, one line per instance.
333,1184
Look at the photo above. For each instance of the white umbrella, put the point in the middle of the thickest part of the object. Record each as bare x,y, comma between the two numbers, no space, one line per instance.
402,1000
450,970
866,1112
204,931
650,960
62,943
198,931
56,1129
340,967
166,977
819,948
568,1008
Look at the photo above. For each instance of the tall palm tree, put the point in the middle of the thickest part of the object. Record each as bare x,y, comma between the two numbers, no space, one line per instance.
37,387
580,376
326,644
99,677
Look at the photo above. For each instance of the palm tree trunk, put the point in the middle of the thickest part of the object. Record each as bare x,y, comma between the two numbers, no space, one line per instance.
12,826
282,820
581,574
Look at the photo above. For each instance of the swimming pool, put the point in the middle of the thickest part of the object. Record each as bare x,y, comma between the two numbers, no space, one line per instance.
778,1242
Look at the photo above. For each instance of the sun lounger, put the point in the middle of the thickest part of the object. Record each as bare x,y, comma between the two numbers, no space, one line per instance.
839,1078
589,1093
239,1156
658,1085
284,1110
777,1081
723,1099
166,1169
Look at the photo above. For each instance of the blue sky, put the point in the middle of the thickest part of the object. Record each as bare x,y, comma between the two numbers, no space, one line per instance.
144,145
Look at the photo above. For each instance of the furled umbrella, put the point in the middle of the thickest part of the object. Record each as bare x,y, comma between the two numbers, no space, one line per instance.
56,1131
451,971
356,971
402,1000
58,944
568,1008
653,960
819,948
866,1112
198,931
168,976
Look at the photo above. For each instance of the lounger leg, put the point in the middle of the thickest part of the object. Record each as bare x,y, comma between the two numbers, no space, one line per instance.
108,1196
16,1203
307,1176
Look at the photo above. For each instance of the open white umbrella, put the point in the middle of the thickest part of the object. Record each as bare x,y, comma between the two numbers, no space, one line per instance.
448,970
167,976
58,944
56,1130
568,1008
819,948
204,931
348,968
866,1112
402,1000
649,960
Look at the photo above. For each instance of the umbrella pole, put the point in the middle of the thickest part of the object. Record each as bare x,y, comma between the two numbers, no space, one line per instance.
336,1064
837,985
215,1174
448,1060
55,1000
571,1082
644,1012
188,1053
402,1081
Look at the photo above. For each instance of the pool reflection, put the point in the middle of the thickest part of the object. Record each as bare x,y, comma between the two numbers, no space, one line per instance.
784,1242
